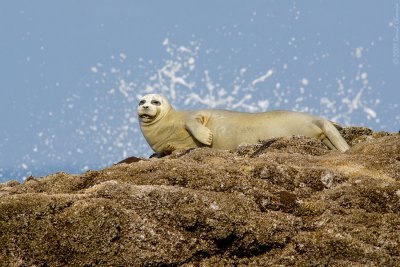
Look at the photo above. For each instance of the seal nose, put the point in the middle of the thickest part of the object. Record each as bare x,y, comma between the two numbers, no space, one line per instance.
145,107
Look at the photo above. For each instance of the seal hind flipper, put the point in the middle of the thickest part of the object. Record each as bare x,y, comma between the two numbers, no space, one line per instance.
333,136
328,143
337,125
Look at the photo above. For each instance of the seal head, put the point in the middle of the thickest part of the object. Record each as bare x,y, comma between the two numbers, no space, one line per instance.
152,108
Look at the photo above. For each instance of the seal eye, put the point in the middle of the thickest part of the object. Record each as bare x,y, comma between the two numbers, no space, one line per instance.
156,102
142,102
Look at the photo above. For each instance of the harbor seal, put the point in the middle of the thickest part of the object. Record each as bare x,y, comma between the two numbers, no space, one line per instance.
167,129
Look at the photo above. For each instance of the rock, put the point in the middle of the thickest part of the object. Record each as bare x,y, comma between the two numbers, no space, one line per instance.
284,202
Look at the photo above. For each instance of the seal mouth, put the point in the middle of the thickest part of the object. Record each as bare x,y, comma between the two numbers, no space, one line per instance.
146,117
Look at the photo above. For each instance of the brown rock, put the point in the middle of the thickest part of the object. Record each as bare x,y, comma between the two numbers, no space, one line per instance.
287,201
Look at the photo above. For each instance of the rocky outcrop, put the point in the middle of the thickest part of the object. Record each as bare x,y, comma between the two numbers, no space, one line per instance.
283,202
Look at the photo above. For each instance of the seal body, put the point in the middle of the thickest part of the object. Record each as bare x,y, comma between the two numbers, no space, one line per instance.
166,129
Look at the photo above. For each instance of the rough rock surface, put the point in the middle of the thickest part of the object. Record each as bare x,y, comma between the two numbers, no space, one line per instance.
283,202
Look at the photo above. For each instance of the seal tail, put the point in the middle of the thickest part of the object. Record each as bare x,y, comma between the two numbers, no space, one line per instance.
334,136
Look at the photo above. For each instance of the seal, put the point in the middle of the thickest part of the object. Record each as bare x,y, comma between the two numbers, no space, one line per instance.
166,129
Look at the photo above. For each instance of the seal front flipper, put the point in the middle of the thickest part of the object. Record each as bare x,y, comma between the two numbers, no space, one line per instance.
196,126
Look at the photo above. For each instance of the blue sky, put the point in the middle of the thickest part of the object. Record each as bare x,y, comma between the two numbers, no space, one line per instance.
71,71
